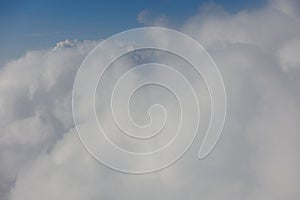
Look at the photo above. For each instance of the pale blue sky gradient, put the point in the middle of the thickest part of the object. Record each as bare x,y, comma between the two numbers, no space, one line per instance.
37,24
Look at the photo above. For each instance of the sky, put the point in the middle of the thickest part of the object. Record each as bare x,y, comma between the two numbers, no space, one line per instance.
255,47
37,24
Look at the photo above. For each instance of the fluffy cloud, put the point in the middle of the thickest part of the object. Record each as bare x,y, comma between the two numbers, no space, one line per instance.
256,158
288,54
35,108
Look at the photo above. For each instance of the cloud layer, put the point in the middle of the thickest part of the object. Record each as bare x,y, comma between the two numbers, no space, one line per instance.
256,158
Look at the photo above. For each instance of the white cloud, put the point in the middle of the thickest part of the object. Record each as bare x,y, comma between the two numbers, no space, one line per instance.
256,158
35,106
288,54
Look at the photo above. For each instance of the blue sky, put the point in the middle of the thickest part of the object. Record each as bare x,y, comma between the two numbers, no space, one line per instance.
36,24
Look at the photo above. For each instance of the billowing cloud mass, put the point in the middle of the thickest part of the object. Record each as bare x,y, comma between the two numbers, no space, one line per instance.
256,51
